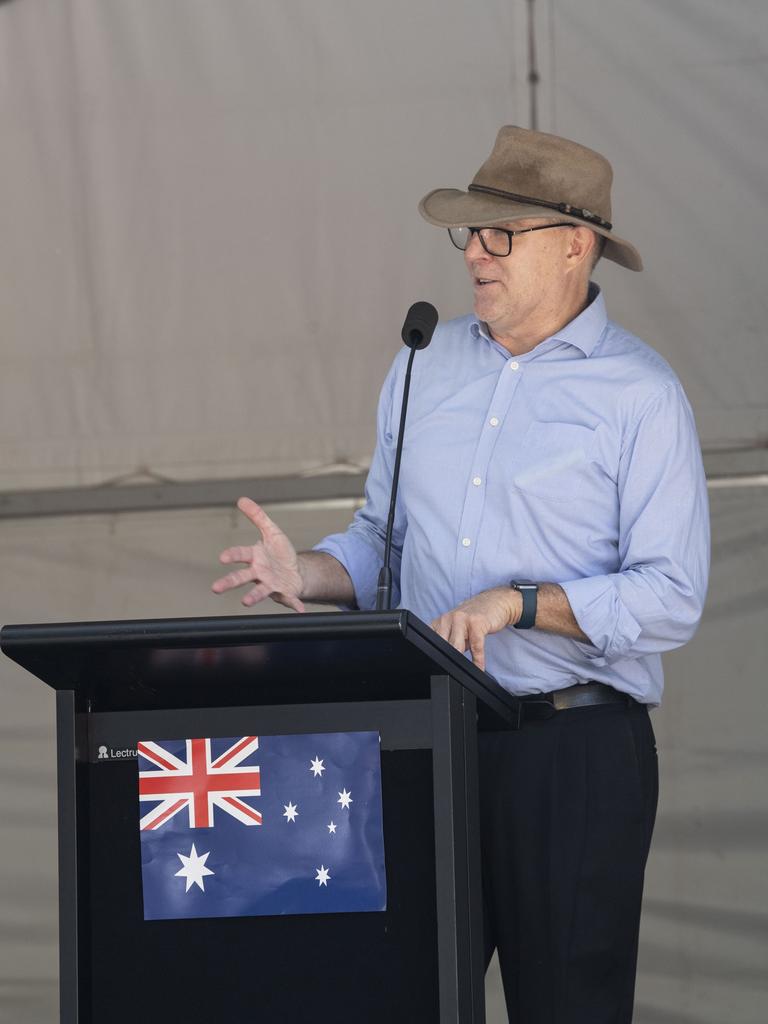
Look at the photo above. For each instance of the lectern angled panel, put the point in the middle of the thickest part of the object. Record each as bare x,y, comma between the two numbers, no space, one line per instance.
271,659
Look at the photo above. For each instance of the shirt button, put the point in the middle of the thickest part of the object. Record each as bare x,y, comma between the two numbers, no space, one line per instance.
513,365
494,421
466,542
476,481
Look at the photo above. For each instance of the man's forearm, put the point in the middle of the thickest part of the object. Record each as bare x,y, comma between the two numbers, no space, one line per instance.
326,581
466,626
554,613
553,610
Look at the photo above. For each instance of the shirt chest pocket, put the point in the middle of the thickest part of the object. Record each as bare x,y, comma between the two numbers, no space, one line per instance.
553,461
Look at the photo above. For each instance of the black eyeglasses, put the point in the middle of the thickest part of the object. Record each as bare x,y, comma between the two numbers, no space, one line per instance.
495,241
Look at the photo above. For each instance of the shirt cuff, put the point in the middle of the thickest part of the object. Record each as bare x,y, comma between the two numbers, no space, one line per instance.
602,615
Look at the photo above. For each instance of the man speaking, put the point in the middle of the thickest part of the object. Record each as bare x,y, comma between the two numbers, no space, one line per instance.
552,521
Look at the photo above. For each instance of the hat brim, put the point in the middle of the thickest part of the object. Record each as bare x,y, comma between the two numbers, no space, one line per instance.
452,208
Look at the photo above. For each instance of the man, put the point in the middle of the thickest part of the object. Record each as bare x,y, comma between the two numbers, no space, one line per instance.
553,523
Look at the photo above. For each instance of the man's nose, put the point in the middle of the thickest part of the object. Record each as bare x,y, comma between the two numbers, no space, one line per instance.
475,248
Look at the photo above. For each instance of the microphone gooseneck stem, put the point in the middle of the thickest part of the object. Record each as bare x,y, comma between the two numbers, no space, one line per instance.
384,586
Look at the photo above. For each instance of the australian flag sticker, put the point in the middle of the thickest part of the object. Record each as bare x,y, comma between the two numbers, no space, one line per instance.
258,825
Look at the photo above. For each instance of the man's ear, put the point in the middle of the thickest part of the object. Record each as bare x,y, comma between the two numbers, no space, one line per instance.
581,246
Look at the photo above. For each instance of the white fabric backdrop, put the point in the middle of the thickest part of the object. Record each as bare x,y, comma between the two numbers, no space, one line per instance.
209,241
209,226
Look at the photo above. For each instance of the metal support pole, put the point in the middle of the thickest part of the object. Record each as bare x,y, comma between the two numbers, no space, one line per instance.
457,853
68,887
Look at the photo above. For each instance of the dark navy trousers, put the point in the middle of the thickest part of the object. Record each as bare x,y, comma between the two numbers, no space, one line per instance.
567,810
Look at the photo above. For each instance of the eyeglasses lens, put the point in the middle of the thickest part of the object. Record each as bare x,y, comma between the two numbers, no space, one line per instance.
460,237
495,241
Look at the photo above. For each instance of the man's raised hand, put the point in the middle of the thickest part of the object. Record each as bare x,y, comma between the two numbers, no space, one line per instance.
271,564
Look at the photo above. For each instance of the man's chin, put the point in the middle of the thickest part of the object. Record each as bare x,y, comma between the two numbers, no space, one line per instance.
484,311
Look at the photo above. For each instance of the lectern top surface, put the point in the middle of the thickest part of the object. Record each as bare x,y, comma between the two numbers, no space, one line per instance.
267,659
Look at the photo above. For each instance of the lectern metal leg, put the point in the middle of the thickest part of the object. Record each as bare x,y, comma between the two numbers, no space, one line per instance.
68,895
457,853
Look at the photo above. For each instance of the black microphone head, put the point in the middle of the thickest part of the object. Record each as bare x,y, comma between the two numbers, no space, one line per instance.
419,326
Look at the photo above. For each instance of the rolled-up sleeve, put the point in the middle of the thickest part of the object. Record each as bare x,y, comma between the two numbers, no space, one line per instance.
360,549
653,603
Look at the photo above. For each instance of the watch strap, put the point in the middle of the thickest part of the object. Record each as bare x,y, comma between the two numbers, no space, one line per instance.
529,593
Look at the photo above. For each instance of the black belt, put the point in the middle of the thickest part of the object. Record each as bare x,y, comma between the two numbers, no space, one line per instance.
544,705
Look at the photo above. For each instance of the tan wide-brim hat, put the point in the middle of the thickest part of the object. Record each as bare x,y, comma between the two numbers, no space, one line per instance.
533,174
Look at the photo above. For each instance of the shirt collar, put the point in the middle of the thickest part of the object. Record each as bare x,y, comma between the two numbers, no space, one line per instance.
583,331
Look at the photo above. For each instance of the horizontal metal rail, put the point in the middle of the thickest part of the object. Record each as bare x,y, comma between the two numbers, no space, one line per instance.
308,491
113,498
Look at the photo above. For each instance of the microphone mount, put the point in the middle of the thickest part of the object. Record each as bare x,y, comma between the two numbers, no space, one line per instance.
419,326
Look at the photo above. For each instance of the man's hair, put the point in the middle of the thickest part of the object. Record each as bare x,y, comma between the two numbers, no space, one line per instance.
597,252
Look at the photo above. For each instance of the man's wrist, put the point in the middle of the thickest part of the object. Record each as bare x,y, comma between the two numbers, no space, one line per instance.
516,604
528,593
511,601
302,570
324,580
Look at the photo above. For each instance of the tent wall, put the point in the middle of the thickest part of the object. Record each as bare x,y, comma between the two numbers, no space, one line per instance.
705,926
209,226
209,242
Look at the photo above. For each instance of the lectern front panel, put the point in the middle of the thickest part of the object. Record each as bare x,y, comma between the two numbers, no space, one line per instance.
360,966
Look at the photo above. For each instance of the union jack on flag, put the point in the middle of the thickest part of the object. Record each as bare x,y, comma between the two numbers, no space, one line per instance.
199,782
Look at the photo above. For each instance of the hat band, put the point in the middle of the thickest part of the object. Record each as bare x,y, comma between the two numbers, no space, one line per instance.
571,211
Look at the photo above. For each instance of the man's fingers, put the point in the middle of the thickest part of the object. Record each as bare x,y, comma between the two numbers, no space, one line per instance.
289,601
458,634
464,632
234,579
442,626
256,594
222,583
257,515
237,554
477,647
263,590
452,627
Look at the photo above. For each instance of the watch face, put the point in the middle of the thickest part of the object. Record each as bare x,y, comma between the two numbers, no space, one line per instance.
519,585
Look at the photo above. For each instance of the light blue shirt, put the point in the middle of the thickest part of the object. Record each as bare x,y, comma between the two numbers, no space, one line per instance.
576,463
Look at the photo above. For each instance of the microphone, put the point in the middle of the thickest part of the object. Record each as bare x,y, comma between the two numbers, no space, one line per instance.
420,323
419,326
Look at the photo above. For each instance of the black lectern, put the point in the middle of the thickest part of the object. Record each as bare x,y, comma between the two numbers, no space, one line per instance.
421,960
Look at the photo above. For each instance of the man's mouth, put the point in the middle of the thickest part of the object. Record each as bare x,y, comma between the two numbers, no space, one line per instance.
481,282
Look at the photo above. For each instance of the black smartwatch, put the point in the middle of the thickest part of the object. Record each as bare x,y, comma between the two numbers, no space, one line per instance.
529,592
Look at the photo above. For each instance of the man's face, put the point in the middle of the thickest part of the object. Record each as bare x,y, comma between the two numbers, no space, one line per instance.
514,293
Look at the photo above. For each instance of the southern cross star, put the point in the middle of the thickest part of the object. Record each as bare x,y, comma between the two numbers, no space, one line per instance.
291,812
317,767
322,876
332,828
194,869
345,799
